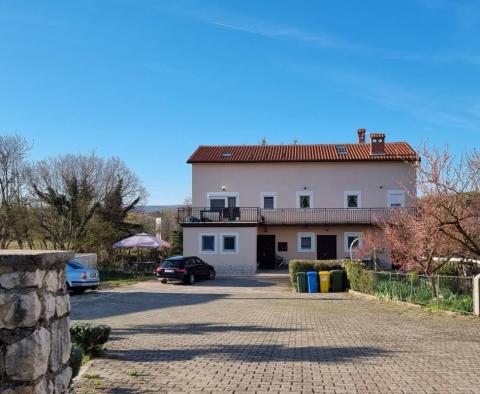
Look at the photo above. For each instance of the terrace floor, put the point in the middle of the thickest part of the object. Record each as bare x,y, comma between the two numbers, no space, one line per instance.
254,335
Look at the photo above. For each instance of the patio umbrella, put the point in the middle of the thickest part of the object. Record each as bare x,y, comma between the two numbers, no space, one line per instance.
141,240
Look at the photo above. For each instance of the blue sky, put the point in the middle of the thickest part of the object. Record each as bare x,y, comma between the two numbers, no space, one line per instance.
148,81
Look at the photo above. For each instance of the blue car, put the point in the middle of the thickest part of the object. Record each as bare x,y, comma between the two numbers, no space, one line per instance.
80,278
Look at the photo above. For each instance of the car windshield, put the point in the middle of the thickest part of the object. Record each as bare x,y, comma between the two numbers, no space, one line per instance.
75,265
173,264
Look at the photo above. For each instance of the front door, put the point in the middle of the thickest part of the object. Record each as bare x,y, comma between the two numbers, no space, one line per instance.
266,251
326,247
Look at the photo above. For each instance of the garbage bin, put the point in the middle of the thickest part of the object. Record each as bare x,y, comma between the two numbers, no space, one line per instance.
302,286
312,281
324,281
337,279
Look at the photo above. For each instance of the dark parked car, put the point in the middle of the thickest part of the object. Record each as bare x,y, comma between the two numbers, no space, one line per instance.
184,269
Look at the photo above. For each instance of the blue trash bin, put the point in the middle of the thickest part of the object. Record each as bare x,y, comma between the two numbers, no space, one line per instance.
312,281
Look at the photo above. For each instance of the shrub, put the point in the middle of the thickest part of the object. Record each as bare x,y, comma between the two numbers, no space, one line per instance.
76,356
358,278
90,336
295,266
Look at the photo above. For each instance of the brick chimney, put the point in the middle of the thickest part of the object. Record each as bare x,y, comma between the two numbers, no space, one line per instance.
361,135
377,144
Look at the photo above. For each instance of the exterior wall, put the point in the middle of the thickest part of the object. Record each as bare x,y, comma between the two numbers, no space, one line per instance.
242,263
327,181
34,323
289,234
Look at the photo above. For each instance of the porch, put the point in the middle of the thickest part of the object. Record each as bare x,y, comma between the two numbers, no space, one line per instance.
194,216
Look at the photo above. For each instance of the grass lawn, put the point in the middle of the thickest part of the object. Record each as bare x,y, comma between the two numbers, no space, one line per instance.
116,278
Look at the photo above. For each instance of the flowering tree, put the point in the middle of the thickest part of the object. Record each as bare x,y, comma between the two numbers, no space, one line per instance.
450,189
446,223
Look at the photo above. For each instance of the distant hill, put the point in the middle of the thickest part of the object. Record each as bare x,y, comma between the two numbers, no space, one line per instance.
154,208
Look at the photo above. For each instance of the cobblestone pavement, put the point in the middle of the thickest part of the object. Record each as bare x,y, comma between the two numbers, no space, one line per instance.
254,335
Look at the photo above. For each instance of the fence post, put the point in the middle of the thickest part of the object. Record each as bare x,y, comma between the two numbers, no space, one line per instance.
476,295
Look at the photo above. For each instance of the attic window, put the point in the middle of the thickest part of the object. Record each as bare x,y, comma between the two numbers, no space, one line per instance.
226,154
341,150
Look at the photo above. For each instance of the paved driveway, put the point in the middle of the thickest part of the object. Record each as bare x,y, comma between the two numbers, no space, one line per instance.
254,335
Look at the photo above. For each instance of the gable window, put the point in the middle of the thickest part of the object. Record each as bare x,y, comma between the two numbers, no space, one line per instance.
306,242
352,199
269,200
396,198
349,238
208,243
229,243
304,199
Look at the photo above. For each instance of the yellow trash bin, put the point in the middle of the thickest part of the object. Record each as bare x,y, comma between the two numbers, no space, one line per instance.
324,281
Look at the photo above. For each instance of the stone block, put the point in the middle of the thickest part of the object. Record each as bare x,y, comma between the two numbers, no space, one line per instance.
62,283
28,359
51,281
50,305
19,309
20,389
62,304
60,343
22,279
62,381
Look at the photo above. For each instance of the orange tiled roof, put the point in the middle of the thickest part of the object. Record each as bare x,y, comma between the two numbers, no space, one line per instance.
394,151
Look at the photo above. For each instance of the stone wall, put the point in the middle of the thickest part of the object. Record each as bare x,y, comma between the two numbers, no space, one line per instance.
34,322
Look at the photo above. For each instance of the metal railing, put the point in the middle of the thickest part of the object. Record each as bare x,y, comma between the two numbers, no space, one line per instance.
218,215
453,293
288,216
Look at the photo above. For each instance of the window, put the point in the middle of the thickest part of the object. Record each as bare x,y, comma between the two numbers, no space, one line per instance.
268,200
282,246
352,199
217,203
306,242
396,198
208,243
348,239
229,243
222,200
304,199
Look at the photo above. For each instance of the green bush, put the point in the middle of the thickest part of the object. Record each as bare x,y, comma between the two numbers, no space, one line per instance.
90,336
359,278
76,356
295,266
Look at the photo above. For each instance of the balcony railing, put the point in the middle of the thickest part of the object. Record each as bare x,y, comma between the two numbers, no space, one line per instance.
287,216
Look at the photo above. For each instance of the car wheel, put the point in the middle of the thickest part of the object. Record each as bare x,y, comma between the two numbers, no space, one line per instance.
191,279
80,290
162,280
211,275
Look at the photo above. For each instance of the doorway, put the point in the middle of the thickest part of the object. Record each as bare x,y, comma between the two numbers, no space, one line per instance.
266,251
326,247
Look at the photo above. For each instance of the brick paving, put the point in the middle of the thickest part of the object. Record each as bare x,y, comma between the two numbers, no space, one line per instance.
254,335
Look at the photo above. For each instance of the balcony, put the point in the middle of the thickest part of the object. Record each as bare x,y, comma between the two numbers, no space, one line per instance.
285,216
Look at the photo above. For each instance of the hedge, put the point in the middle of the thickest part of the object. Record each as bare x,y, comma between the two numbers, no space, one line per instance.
76,355
295,266
90,336
359,278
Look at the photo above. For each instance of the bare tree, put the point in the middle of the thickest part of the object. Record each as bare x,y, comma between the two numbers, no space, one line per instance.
13,180
70,188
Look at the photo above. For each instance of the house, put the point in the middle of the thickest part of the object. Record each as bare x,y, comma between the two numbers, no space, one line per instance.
252,202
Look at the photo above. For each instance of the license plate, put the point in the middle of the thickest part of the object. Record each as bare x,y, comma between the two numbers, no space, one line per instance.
169,271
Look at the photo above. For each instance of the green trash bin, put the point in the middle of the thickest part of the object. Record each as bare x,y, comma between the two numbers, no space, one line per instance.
302,282
337,280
